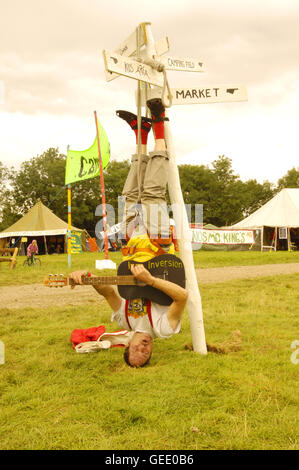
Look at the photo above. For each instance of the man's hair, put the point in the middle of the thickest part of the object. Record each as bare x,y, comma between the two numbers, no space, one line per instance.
126,358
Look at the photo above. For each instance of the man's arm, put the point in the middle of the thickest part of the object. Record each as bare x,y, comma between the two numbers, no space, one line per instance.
110,294
177,293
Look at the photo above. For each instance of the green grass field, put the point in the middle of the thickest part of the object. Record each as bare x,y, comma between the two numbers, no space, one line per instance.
53,398
202,259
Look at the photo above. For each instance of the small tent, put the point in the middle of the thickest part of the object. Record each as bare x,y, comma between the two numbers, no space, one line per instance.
42,224
277,221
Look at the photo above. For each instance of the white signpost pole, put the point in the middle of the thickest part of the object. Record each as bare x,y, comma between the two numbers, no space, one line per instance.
194,307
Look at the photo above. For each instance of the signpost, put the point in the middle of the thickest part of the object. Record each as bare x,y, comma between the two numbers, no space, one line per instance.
128,48
162,46
201,95
186,65
150,67
131,68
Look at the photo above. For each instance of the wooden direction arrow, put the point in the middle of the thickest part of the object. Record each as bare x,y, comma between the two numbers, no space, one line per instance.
131,68
187,65
202,95
127,48
162,46
213,94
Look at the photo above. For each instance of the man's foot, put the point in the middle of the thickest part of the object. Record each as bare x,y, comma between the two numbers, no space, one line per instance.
157,110
131,119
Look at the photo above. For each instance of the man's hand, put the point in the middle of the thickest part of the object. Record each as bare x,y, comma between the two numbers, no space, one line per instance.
76,276
142,274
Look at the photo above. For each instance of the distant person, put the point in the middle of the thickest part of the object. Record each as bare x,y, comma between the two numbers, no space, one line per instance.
32,250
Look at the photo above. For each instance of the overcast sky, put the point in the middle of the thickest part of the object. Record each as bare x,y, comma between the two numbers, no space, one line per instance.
52,78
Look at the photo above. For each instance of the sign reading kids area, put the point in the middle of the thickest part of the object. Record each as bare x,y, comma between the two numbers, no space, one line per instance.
222,237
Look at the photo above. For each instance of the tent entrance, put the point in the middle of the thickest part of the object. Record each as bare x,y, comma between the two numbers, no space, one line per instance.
280,239
294,238
47,244
268,238
283,239
55,244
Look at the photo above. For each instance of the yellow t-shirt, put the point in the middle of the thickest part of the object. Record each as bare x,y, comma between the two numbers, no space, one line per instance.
142,241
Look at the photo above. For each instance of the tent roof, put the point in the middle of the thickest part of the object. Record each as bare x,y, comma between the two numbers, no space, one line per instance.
281,211
38,221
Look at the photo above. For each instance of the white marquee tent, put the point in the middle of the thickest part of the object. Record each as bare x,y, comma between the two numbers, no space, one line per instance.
278,220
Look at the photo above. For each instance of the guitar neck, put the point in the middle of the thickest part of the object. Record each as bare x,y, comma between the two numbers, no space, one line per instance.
110,280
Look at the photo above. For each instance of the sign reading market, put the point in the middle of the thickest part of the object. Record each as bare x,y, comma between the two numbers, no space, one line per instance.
222,236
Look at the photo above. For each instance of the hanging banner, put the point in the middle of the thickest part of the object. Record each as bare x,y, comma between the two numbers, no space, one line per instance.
222,237
76,242
84,164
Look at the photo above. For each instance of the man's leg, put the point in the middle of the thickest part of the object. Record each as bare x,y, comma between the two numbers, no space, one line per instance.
133,186
155,180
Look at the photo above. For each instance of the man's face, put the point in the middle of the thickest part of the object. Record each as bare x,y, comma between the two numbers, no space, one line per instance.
140,348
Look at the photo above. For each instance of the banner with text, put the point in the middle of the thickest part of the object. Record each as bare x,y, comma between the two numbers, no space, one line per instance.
76,242
84,164
222,237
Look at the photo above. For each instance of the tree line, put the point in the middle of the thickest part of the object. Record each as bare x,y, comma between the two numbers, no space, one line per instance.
225,197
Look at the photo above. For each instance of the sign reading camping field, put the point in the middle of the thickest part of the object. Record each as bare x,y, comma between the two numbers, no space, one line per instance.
222,237
186,65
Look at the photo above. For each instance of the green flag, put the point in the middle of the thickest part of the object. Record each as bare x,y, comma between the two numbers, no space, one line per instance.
84,164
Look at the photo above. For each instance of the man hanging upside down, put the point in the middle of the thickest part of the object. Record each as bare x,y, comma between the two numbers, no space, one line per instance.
148,234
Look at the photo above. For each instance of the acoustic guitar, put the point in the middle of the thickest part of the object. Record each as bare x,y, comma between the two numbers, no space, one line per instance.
167,267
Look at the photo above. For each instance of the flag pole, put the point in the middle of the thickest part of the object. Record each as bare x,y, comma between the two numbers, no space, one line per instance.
102,190
69,220
69,232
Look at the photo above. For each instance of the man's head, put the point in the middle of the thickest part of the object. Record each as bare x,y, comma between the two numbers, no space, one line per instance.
139,350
